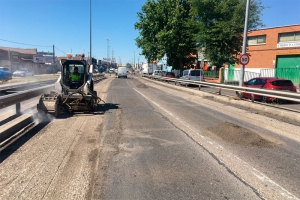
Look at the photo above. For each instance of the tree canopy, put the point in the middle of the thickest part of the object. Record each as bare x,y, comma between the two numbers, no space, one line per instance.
178,28
166,28
221,24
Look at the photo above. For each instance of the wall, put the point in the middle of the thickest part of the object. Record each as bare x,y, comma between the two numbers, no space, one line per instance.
264,55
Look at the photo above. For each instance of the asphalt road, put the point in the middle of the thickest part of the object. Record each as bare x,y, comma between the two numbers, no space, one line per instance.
154,142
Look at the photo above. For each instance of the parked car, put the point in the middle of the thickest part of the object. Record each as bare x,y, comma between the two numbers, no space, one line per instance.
111,70
192,74
5,75
23,72
158,72
169,75
4,69
270,83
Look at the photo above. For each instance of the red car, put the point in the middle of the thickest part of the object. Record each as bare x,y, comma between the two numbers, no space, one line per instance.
169,74
270,83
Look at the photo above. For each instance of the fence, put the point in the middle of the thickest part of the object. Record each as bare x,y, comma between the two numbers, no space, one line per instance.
211,74
233,76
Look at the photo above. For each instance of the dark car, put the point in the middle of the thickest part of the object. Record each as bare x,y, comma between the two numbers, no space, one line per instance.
169,75
5,75
4,69
269,83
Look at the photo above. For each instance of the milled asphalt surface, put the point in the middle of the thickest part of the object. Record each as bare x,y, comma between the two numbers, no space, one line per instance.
150,136
151,142
146,156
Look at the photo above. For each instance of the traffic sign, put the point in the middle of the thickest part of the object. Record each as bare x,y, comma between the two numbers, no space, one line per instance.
244,59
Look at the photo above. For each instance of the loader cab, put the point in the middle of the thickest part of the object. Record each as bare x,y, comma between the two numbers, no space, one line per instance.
68,67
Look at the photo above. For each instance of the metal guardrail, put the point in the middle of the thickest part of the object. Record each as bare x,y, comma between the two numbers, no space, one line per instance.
16,98
290,96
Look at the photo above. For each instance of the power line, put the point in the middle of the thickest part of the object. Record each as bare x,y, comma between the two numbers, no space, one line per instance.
59,50
25,43
32,45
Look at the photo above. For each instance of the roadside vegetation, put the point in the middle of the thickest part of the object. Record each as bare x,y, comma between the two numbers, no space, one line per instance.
181,28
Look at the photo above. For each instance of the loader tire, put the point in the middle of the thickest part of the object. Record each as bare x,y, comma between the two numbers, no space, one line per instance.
57,107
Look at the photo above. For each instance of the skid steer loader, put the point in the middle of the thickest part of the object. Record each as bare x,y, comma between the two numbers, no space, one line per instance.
70,95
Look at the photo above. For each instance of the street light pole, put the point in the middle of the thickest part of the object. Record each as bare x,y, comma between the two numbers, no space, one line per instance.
91,32
244,43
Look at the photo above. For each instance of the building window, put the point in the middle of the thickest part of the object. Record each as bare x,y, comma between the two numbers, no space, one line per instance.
256,40
289,37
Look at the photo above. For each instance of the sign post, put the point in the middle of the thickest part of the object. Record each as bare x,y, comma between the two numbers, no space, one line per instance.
244,43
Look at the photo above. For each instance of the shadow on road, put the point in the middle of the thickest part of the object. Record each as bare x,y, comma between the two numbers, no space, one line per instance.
14,146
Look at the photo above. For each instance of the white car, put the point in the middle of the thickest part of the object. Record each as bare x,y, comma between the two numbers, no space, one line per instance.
192,74
23,72
158,72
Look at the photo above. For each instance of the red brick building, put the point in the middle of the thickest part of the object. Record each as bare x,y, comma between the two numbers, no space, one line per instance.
270,48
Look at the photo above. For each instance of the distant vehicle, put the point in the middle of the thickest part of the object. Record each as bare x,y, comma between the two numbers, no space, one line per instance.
5,75
101,69
23,72
158,73
4,69
122,72
270,83
148,68
169,75
111,70
193,74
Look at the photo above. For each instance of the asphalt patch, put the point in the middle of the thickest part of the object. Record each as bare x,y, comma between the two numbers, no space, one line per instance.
236,134
142,86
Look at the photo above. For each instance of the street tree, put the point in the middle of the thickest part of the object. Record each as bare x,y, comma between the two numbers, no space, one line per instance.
221,24
166,27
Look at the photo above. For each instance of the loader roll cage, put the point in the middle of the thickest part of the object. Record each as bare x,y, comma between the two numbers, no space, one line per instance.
68,68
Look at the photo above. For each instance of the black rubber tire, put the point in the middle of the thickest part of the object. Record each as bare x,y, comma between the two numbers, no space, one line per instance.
263,99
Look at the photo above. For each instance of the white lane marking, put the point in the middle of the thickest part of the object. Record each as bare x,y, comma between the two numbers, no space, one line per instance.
262,177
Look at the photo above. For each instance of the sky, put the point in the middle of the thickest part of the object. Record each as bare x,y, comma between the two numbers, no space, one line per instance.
66,25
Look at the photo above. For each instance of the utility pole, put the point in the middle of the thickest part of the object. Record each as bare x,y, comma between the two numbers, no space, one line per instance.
107,49
244,43
91,60
112,55
134,59
53,60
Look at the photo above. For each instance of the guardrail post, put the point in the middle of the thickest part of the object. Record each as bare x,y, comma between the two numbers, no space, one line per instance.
199,87
220,91
252,97
18,108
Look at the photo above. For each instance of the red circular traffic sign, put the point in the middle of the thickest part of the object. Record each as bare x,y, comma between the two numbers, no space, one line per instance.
244,59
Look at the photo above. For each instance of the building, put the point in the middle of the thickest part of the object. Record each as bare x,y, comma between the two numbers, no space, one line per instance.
16,58
277,47
273,52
